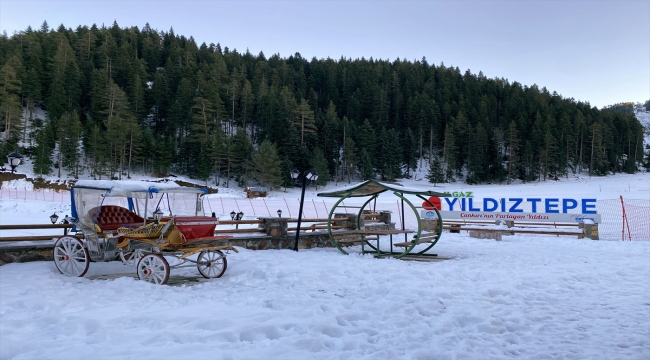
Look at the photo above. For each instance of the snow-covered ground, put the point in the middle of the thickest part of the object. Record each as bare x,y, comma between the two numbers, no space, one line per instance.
525,297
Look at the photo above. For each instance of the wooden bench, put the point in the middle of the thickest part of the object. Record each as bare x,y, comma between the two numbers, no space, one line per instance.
424,239
529,230
524,227
347,240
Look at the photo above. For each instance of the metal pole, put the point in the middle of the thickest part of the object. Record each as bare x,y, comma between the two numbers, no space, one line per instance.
302,200
403,220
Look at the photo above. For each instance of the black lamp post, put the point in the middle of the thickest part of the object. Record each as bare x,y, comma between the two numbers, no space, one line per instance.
14,160
53,218
279,213
236,216
312,175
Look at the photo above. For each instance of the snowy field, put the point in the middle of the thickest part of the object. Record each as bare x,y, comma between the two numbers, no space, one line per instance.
526,297
523,297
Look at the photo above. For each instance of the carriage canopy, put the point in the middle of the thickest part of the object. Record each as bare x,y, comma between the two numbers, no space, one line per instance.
141,197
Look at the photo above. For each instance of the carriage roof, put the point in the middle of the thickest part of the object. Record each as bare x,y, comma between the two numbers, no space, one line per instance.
133,188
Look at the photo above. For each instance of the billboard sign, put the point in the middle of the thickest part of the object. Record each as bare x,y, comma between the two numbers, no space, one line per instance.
505,216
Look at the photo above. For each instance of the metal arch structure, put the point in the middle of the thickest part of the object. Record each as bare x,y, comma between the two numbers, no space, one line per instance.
372,189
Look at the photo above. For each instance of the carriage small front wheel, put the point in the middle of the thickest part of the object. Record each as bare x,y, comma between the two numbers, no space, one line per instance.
70,256
153,268
211,263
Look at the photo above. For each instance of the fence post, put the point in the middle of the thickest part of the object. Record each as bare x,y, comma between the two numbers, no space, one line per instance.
625,222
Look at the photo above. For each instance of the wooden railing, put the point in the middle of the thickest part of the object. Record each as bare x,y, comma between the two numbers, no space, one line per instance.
321,224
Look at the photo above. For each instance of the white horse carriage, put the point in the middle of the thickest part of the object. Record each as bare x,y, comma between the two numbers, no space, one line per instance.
140,223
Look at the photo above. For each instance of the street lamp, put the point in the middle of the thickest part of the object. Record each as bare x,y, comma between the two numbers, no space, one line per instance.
313,176
236,216
14,160
294,175
279,213
53,218
157,216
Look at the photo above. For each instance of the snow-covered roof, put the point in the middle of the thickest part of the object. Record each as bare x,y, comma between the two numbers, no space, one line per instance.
128,187
372,187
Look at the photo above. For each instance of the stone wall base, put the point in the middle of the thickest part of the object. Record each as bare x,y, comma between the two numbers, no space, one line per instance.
25,255
496,235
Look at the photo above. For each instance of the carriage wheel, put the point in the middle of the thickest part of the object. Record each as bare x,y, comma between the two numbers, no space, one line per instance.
70,256
211,263
154,269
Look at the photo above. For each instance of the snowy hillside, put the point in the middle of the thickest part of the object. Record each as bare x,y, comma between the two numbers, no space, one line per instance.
644,118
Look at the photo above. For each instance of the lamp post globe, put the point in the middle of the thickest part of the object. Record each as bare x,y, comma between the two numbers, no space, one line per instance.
279,213
157,215
53,218
232,215
14,160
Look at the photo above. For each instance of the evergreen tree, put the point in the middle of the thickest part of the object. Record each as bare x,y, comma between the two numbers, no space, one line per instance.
293,102
365,166
69,138
367,139
392,155
529,162
305,119
550,156
449,153
436,175
10,106
117,121
42,152
318,163
599,163
241,151
32,93
512,142
203,121
204,162
163,158
349,158
266,165
409,148
96,152
147,150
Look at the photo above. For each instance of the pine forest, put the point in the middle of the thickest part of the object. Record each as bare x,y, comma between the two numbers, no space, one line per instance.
108,102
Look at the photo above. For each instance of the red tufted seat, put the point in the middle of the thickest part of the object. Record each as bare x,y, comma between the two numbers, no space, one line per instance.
112,217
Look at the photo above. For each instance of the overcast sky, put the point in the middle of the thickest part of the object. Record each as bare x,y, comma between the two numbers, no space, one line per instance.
595,51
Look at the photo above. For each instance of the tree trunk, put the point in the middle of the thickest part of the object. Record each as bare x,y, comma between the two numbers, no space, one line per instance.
591,163
421,135
130,154
431,144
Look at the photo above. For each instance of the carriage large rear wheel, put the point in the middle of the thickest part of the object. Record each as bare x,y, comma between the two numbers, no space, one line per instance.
211,263
153,268
70,256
